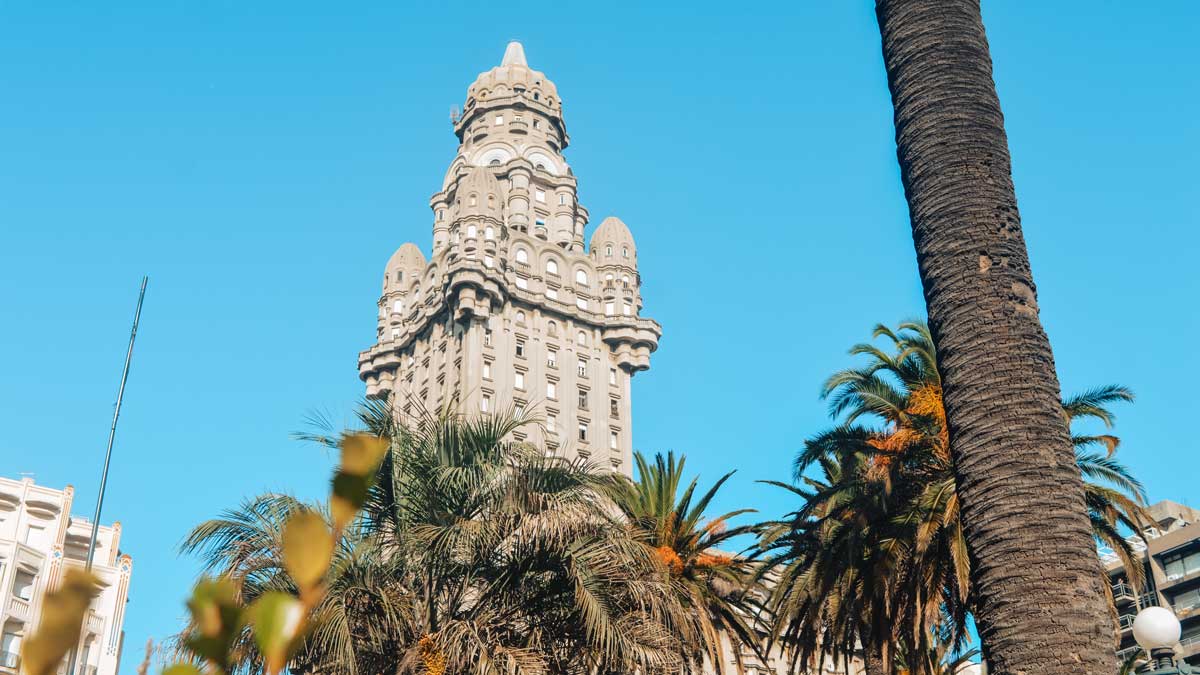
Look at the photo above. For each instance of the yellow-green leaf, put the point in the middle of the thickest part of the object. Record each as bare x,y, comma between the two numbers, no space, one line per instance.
217,619
278,620
362,453
361,456
63,611
307,548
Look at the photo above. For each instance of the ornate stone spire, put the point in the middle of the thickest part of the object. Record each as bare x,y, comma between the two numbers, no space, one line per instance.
514,55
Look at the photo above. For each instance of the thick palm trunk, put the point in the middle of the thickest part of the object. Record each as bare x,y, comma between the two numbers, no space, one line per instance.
1041,606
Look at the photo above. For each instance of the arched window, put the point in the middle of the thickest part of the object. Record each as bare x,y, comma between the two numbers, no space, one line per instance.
625,280
552,329
472,231
399,276
581,338
491,201
472,200
522,256
581,277
495,162
489,232
624,251
521,317
552,267
539,166
608,277
398,306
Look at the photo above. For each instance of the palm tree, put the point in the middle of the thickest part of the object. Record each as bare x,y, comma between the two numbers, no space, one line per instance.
516,558
887,501
714,587
1040,605
475,554
365,612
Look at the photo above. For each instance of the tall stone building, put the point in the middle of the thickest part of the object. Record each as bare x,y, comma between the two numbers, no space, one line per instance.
513,307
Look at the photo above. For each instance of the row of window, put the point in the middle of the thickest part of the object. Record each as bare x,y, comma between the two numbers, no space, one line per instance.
614,436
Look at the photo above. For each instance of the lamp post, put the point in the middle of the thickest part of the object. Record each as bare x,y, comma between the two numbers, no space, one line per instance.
1156,630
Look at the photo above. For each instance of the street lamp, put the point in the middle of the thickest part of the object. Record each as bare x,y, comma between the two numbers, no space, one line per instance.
1156,630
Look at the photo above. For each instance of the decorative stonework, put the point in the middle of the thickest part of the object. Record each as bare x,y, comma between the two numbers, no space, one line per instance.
512,306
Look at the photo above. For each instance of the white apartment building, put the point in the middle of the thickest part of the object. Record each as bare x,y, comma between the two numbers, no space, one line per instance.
39,538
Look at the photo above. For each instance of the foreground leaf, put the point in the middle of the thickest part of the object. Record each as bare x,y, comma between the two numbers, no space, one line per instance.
63,610
278,620
307,549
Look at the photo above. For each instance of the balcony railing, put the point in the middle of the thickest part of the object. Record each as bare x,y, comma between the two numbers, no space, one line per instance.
1124,654
1148,600
95,623
18,608
1125,621
1123,592
10,660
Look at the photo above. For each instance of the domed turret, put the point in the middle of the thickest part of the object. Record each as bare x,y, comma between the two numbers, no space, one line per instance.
612,244
403,268
513,78
478,193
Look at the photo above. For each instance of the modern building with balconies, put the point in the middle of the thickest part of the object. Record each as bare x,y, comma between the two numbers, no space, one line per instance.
1169,552
39,540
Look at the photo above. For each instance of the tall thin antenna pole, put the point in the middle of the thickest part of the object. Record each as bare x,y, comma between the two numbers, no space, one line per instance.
112,432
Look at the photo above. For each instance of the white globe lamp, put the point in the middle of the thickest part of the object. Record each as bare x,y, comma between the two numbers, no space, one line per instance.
1156,628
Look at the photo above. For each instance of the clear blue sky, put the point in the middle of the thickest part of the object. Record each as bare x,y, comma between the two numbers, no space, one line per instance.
262,162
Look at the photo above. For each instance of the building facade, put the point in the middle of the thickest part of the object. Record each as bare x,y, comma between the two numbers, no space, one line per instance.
39,539
513,307
1169,553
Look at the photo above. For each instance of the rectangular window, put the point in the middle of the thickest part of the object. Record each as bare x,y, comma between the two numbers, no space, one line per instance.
522,282
487,337
582,399
562,200
581,367
552,293
626,309
612,440
538,222
1188,600
552,358
581,303
521,348
395,333
23,585
485,403
539,194
488,262
487,370
551,390
609,309
612,375
551,422
499,119
1182,565
583,431
537,124
613,408
519,380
